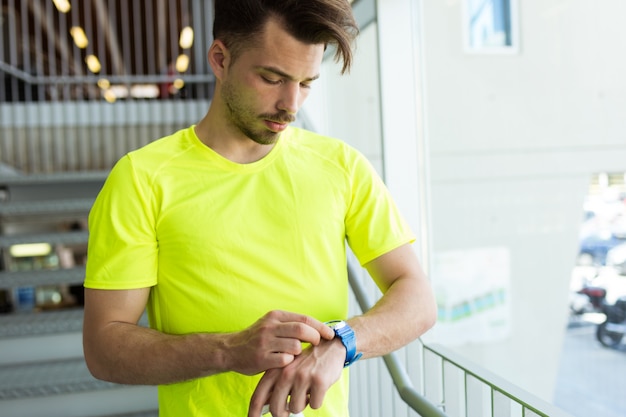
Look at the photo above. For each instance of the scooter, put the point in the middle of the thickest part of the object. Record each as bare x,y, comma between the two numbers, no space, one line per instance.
588,299
611,331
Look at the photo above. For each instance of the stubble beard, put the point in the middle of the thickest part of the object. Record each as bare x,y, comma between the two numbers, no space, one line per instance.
244,118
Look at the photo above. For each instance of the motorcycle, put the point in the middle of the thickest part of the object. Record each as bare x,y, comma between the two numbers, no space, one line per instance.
588,299
611,331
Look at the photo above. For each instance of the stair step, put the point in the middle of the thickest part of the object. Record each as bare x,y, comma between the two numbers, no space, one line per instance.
150,413
41,323
74,276
40,379
38,388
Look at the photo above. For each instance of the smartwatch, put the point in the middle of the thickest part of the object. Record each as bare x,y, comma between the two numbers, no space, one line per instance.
348,339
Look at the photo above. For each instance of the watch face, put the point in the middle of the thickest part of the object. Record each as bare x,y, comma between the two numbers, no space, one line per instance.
336,324
339,325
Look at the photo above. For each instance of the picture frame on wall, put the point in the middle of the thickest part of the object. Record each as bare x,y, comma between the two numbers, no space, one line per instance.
491,26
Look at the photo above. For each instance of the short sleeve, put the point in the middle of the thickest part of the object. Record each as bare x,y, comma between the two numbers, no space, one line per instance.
123,250
374,225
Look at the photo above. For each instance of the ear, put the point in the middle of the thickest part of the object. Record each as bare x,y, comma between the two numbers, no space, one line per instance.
219,58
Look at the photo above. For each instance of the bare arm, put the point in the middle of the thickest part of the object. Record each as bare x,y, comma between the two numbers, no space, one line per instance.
118,350
406,310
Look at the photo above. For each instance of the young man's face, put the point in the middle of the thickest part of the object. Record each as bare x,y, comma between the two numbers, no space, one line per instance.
265,86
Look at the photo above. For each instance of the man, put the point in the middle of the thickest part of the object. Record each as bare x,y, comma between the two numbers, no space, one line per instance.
232,232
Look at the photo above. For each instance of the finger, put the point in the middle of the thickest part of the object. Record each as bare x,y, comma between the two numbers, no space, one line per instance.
316,396
261,395
321,328
284,343
279,401
298,399
282,382
326,332
299,332
278,360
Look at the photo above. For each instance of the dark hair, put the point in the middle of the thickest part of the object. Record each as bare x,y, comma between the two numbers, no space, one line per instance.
329,22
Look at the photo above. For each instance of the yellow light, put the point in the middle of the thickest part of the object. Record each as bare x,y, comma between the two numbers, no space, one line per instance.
30,249
103,83
109,96
178,83
62,5
182,63
186,37
93,63
80,39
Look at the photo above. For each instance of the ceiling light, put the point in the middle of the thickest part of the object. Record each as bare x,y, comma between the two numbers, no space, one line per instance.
80,39
93,63
186,37
120,91
103,83
62,5
182,63
109,96
178,83
30,249
144,91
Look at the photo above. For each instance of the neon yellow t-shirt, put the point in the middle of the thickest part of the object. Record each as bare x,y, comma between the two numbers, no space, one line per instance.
222,243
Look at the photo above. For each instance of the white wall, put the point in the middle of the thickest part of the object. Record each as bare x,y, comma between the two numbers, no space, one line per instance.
359,108
348,106
513,142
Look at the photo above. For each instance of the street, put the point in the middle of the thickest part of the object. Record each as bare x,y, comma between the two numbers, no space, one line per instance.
592,378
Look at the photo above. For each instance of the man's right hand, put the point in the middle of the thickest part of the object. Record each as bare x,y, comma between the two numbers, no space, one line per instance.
120,351
273,341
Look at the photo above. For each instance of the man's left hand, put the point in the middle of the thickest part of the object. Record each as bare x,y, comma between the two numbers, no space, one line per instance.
303,382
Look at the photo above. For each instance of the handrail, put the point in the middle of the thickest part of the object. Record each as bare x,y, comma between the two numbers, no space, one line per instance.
498,384
398,374
424,407
93,79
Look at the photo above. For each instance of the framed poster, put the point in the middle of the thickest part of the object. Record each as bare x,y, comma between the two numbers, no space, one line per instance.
473,288
491,26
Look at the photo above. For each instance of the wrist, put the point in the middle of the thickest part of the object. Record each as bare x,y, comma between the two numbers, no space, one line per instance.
345,334
216,352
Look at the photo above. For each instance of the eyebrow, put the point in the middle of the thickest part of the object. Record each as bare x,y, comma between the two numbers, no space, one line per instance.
283,74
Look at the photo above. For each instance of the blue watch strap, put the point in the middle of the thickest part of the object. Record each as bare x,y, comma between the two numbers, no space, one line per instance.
348,339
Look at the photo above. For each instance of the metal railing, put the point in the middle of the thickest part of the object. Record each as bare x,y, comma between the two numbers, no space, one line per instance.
83,84
453,385
99,49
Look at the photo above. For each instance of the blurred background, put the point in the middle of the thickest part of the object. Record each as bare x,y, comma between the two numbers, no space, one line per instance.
498,125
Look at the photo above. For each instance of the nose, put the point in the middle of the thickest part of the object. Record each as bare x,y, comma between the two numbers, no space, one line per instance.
291,97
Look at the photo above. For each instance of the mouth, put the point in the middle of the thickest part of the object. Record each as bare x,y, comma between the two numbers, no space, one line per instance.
275,126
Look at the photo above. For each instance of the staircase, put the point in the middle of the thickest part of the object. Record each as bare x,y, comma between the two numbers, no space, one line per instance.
42,370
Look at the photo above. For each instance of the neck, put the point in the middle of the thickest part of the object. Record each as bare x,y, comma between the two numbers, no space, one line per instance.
228,141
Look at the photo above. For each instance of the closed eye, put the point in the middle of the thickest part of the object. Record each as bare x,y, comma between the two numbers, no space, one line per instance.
270,80
274,76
